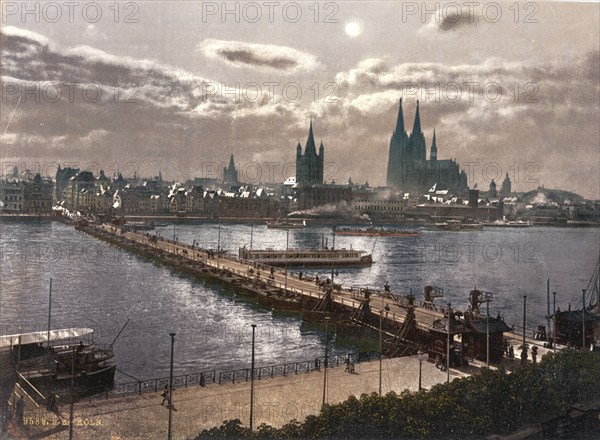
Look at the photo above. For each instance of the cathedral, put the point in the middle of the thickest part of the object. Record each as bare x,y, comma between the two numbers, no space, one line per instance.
408,168
309,166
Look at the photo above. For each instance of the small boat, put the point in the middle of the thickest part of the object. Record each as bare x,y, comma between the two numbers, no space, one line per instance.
277,224
139,226
50,361
471,226
457,225
509,224
307,257
373,232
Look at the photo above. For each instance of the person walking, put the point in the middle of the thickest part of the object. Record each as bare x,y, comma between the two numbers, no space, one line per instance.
165,395
20,409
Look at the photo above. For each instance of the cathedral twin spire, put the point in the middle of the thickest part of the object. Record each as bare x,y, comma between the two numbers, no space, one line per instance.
400,130
416,138
409,169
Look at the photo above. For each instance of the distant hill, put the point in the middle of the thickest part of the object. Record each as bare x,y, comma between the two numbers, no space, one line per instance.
545,196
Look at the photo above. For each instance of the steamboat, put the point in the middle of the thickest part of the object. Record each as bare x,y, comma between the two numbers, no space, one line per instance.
373,232
307,257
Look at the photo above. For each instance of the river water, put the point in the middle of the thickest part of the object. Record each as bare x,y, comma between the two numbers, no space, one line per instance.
99,286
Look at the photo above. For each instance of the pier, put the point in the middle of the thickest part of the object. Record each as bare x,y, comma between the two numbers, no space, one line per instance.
285,290
275,286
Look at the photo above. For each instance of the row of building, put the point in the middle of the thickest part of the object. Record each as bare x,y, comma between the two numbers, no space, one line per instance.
27,193
417,188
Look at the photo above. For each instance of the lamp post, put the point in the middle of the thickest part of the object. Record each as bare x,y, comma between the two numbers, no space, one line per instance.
287,243
72,393
332,256
488,300
49,312
169,435
448,347
252,379
325,370
420,356
548,304
583,317
554,324
380,345
523,352
219,240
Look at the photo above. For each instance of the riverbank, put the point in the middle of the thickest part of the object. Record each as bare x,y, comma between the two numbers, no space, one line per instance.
277,401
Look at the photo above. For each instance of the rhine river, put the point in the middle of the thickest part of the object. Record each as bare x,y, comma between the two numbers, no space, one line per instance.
96,285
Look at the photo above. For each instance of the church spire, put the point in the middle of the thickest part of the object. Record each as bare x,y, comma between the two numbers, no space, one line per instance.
417,125
400,122
310,142
231,163
433,154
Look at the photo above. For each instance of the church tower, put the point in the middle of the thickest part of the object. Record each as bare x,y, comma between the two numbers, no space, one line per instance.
433,153
309,166
418,149
230,174
506,187
492,192
398,149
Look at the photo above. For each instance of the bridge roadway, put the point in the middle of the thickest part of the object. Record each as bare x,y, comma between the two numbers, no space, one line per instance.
348,298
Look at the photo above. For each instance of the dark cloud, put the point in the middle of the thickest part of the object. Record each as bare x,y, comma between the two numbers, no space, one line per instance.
455,21
250,58
261,56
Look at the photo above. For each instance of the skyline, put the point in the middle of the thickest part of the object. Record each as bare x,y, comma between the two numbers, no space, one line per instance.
187,109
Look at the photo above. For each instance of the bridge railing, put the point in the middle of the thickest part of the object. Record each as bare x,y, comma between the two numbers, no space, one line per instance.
235,376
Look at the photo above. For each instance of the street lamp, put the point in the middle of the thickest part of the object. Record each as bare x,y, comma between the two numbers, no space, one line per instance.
554,323
380,344
421,356
169,436
252,379
287,243
49,312
488,300
448,347
583,317
523,352
325,371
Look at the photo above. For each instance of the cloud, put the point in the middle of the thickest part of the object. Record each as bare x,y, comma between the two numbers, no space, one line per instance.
176,120
34,37
505,111
450,19
92,33
258,56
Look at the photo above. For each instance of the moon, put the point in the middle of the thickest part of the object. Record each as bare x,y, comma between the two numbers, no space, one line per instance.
353,29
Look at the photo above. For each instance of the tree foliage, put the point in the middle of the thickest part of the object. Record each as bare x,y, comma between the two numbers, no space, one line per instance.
491,402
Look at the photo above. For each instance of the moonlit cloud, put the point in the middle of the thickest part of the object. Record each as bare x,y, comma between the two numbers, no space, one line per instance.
259,56
450,19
